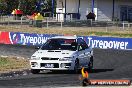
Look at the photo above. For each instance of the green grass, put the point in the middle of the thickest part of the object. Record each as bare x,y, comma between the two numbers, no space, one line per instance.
111,34
12,64
86,31
3,62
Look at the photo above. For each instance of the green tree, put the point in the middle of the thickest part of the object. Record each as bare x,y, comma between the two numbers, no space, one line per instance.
2,7
7,6
27,6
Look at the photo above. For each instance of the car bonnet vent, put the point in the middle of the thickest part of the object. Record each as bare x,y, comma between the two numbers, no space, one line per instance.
50,51
53,51
57,51
65,53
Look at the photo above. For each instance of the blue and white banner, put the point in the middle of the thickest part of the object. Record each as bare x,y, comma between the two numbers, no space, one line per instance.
108,42
29,39
94,41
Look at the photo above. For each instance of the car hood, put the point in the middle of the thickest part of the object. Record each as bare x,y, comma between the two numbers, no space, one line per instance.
54,53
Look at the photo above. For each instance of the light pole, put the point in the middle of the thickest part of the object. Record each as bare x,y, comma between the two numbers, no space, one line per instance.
92,6
53,2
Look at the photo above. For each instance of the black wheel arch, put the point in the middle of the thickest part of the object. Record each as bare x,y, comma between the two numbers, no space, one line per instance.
91,58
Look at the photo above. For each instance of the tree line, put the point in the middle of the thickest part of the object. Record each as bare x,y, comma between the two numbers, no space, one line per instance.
27,6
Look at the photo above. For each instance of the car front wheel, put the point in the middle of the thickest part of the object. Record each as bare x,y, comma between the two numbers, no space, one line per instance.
76,67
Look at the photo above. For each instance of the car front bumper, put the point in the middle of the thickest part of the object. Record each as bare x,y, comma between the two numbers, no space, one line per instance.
52,65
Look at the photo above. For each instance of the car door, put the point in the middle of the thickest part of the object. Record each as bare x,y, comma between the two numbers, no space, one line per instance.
84,52
81,53
87,56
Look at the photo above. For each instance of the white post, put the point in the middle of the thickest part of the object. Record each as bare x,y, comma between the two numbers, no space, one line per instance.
61,24
21,20
123,25
71,17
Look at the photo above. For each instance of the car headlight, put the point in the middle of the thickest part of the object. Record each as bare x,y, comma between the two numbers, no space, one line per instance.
35,58
66,59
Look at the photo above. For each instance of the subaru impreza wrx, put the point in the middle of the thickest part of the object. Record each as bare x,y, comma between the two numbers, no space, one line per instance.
62,53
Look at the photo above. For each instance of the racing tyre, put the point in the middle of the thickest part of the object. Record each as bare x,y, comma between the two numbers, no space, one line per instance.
35,71
90,64
76,67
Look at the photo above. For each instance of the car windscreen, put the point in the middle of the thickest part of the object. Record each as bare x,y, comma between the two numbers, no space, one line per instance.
60,44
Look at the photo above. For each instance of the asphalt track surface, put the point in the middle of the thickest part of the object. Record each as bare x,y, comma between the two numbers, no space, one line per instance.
108,64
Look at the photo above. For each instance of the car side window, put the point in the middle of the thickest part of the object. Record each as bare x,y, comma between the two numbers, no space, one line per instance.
80,48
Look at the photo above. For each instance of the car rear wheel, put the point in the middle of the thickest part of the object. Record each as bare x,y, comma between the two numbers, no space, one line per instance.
35,71
90,64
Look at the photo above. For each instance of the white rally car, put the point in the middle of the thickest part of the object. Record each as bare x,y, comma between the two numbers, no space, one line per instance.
62,53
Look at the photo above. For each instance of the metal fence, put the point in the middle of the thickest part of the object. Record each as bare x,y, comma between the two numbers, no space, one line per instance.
52,23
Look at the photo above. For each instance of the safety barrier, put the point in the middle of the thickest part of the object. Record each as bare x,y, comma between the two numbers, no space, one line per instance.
39,39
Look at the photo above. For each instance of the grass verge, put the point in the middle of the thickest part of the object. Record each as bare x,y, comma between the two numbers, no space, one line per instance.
8,64
84,31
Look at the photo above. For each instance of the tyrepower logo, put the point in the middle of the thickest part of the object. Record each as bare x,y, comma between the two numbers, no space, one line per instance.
28,39
15,38
108,42
34,39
